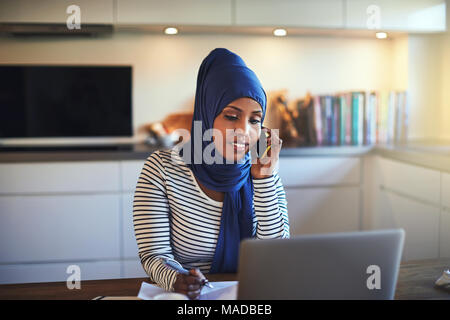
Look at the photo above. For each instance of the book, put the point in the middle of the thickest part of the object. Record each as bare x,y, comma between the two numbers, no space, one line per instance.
317,120
329,118
357,118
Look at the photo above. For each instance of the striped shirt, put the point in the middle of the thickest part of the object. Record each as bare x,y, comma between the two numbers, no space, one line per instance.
173,218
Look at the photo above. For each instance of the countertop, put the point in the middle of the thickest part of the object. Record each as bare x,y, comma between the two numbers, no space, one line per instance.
433,154
139,151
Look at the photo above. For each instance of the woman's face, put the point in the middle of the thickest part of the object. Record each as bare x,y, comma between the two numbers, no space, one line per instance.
240,126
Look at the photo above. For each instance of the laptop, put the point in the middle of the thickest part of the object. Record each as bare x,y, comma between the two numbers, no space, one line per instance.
350,265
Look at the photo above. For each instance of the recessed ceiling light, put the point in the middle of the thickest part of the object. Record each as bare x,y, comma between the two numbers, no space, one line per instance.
171,30
279,32
381,35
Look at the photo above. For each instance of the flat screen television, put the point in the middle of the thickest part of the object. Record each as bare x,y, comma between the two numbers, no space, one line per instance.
38,101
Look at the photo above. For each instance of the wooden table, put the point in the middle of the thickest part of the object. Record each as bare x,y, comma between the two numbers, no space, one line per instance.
415,281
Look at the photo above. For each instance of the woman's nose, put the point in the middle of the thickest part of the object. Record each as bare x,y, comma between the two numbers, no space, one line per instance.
242,127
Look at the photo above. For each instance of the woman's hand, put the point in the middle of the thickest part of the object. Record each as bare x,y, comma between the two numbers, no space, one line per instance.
264,166
191,284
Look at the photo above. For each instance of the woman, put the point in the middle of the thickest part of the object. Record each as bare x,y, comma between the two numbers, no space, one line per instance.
195,213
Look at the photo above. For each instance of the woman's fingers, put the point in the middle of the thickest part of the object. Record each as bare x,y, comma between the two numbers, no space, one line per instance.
197,273
191,284
275,141
194,294
189,287
191,294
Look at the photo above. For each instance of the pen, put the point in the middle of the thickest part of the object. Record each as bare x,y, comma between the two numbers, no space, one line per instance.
171,264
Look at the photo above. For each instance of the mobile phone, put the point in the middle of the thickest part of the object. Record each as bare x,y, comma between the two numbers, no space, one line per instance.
262,145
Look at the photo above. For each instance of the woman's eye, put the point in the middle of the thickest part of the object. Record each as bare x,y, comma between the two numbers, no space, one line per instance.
233,118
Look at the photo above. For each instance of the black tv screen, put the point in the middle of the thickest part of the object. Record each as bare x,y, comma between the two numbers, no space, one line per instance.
65,101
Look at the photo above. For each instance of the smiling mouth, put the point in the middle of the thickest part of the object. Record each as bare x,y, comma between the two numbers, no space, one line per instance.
239,146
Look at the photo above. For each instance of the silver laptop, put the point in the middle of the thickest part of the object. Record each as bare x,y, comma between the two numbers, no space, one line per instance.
351,265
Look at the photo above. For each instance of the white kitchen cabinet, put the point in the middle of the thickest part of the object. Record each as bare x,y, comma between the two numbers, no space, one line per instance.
419,220
414,181
59,177
55,11
130,171
50,272
59,228
290,13
411,15
445,191
444,239
444,234
130,248
174,12
323,210
319,171
133,269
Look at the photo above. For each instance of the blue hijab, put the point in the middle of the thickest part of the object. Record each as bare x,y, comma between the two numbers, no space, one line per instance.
222,78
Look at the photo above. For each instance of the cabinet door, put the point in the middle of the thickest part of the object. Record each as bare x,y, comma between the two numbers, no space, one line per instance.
130,174
444,235
54,11
319,171
50,272
444,241
420,221
57,177
193,12
323,210
130,248
445,191
59,228
411,180
412,15
133,269
304,13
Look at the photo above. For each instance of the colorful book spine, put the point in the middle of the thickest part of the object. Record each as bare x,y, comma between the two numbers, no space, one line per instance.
391,117
348,132
317,120
384,102
343,119
361,113
323,112
373,117
335,121
367,118
329,119
355,118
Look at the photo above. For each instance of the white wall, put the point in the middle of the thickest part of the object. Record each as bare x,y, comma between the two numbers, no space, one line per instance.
400,63
165,67
424,85
429,83
444,114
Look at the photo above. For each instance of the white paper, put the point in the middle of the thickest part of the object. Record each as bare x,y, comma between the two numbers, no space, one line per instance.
148,291
223,290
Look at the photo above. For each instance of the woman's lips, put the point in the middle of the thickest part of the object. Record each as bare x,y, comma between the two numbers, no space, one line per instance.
240,147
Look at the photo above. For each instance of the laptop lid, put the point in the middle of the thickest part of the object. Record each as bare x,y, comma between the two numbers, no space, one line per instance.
351,265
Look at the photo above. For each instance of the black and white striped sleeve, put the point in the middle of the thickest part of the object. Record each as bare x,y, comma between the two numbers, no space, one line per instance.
270,208
151,222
